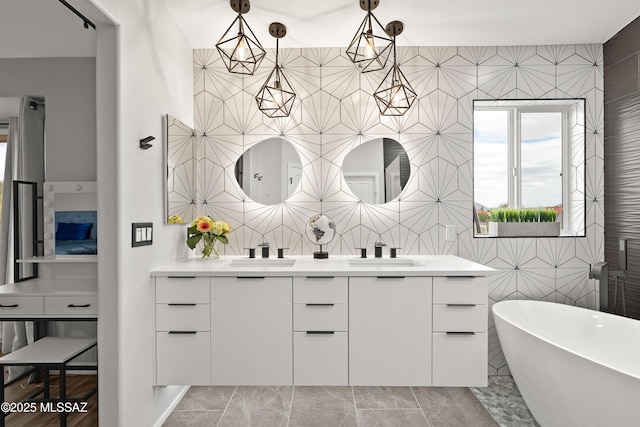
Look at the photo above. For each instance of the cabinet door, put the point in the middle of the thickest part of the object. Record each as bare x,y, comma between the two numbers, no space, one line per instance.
251,331
321,358
460,359
390,331
183,358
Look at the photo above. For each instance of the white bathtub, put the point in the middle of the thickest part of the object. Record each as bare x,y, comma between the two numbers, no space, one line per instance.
573,366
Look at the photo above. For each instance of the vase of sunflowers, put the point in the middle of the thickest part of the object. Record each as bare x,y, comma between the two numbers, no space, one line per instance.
203,235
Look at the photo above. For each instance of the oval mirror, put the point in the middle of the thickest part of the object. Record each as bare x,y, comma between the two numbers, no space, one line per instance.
377,171
270,171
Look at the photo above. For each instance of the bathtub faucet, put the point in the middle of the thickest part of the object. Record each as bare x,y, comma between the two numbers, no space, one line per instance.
600,272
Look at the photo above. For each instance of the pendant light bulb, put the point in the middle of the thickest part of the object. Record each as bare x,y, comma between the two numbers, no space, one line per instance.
370,46
241,49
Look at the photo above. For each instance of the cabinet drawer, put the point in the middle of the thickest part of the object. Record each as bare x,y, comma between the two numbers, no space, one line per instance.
460,318
183,359
183,317
309,317
182,289
71,305
460,360
19,306
320,290
320,359
460,290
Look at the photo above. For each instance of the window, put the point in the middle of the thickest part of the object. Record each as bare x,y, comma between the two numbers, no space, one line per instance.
529,154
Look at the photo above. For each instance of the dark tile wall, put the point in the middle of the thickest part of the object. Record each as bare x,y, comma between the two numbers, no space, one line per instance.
622,159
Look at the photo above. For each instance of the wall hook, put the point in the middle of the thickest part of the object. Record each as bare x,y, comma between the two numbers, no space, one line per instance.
144,142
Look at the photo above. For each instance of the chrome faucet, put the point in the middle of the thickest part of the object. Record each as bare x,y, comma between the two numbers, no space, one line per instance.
378,248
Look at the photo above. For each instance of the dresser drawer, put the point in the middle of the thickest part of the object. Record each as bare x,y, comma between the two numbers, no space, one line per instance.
320,290
313,317
459,318
71,305
183,317
321,359
460,360
19,306
460,290
182,289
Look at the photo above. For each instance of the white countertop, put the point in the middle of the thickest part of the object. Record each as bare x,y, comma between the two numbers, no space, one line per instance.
79,286
425,265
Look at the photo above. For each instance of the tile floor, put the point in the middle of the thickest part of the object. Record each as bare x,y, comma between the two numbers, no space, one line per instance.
352,406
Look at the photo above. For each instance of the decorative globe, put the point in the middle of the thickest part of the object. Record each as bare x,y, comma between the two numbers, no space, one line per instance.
321,230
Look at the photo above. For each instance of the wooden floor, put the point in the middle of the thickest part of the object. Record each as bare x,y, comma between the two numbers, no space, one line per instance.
77,385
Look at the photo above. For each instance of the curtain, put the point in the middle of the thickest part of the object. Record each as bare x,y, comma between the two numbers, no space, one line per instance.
25,161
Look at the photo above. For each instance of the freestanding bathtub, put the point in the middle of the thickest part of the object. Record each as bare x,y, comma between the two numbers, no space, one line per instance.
573,366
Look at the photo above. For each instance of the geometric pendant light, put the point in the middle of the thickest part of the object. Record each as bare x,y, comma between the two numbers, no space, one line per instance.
239,49
370,48
395,95
276,96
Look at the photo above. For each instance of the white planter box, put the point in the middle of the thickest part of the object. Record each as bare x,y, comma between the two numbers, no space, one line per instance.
524,229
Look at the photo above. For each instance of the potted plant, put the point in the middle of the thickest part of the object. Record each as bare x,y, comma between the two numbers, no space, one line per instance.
523,223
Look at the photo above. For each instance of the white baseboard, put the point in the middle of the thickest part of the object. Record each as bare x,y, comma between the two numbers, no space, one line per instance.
165,402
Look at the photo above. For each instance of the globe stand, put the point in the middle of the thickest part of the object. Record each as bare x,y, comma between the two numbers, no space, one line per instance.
321,254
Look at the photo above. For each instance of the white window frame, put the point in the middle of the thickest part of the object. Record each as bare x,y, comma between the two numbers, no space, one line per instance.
514,143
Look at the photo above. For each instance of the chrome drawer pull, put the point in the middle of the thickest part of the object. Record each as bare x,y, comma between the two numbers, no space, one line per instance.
181,304
182,332
181,277
461,305
320,305
460,333
9,305
321,277
79,305
320,332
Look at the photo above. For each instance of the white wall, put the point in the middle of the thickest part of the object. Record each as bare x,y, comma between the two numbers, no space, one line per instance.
153,76
68,86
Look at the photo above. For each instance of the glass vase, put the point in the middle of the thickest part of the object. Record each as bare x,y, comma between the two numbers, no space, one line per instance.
206,248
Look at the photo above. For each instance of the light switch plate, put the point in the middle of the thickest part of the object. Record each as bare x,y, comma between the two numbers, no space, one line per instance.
141,234
450,233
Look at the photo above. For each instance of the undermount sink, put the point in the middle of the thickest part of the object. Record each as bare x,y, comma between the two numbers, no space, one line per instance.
384,262
263,262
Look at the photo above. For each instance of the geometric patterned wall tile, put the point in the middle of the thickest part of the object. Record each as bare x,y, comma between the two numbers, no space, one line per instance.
536,283
574,283
591,249
558,253
556,54
335,113
477,55
497,78
594,112
320,112
359,113
503,284
438,111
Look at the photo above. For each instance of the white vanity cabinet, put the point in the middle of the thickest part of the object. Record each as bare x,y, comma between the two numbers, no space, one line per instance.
320,330
320,323
460,331
390,331
251,334
183,337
